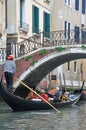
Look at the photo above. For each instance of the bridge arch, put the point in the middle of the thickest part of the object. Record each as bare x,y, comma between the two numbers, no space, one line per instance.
34,74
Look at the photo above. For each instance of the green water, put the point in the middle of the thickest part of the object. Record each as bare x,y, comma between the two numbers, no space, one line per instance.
73,118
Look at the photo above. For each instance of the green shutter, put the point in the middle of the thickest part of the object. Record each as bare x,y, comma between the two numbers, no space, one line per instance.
46,24
35,19
20,13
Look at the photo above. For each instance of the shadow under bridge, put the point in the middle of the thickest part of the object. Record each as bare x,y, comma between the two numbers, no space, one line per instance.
36,73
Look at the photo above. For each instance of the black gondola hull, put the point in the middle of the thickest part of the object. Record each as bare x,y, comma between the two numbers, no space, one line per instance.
20,104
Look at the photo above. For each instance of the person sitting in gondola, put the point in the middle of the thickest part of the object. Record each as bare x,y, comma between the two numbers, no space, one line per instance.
44,95
65,96
58,94
31,95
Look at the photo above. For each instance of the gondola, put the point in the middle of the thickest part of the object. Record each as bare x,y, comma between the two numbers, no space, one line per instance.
83,96
19,104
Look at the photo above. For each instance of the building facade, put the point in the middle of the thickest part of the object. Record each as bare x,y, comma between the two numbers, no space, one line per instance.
23,20
3,33
70,15
27,18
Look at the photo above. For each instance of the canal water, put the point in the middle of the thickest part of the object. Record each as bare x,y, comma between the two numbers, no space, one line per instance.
73,118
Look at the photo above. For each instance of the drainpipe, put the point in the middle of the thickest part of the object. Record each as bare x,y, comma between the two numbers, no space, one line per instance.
6,13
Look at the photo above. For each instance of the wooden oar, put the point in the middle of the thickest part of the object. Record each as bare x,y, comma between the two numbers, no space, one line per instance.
38,95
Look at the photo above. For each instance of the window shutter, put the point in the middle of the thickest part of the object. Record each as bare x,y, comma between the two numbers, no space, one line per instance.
77,33
20,13
77,5
35,19
68,30
83,6
46,23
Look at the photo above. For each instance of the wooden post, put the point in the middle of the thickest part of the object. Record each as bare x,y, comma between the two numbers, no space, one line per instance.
71,78
60,80
64,81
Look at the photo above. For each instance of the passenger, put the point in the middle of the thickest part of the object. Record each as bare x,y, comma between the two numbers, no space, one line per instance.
66,93
44,95
58,94
31,95
9,68
64,98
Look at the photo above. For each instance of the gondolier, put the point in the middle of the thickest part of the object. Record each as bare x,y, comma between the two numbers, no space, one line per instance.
9,68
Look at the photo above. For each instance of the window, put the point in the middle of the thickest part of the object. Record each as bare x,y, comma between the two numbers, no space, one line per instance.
22,12
53,77
65,1
68,2
77,5
67,29
68,65
35,19
75,66
81,66
46,24
76,34
83,36
83,6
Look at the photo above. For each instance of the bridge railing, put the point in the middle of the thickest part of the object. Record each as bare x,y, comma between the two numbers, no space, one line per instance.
68,37
2,55
43,39
55,38
27,46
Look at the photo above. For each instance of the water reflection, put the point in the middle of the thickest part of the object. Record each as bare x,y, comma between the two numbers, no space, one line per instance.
70,119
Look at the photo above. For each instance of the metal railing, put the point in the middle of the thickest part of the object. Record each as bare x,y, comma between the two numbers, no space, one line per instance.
55,38
2,55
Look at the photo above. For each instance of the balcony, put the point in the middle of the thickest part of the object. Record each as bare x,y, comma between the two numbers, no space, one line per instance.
24,26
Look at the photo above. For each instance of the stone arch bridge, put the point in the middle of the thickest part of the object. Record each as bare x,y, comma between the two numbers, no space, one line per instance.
32,75
73,40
